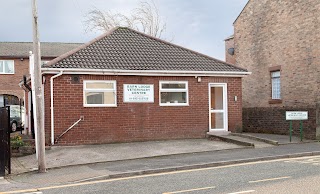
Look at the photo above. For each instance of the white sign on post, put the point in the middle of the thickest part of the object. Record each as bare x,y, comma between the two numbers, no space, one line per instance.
138,93
296,115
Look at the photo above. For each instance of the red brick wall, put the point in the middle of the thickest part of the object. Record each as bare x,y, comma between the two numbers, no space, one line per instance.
9,83
135,121
274,121
230,58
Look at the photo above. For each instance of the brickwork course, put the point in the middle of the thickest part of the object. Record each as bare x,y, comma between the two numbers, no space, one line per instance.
272,34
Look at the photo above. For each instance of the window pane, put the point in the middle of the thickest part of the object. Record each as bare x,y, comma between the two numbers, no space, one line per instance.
217,121
217,98
8,67
276,88
94,97
109,98
173,97
100,98
173,86
99,85
275,74
1,67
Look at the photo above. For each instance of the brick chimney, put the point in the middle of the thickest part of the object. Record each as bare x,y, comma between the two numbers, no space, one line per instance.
230,52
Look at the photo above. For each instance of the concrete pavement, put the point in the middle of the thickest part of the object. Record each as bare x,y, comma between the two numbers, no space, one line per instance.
60,156
121,160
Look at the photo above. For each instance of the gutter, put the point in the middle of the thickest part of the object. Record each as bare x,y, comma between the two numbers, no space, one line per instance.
144,72
52,111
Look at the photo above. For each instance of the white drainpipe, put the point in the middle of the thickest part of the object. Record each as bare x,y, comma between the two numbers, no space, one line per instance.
52,116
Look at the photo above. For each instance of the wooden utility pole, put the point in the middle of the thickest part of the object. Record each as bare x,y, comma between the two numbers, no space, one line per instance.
38,91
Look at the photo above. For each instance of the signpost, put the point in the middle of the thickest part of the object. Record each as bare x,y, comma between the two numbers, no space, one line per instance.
296,116
138,93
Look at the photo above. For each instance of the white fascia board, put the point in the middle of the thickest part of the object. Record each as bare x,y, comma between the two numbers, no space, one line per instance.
143,72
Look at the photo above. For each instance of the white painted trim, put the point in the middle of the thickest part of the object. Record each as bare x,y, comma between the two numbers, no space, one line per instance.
174,90
225,105
114,90
29,112
51,105
144,72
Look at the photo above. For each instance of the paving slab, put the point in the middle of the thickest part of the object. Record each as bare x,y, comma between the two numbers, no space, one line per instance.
60,156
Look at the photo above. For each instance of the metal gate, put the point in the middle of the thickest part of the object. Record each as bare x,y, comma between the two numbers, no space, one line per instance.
5,154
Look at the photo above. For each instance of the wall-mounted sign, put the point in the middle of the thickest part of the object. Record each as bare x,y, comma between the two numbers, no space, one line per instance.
296,115
138,93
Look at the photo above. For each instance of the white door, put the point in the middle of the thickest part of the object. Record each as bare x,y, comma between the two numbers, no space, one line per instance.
218,107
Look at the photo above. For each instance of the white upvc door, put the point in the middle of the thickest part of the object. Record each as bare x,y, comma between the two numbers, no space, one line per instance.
218,107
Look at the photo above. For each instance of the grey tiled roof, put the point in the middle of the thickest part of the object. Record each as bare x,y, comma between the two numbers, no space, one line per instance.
48,49
127,49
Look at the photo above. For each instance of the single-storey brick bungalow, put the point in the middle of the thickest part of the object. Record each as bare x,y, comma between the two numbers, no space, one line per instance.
127,86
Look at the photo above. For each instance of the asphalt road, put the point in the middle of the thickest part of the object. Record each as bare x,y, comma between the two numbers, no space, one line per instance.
297,175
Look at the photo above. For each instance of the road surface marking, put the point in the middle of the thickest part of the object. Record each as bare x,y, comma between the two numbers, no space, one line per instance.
272,179
190,190
305,160
249,191
141,176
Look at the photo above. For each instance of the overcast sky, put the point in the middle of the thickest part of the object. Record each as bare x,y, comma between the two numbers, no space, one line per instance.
200,25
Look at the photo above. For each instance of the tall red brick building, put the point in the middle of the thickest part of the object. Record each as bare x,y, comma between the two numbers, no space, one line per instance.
279,42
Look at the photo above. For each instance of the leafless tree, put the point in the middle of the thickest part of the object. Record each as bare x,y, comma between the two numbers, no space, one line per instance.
145,18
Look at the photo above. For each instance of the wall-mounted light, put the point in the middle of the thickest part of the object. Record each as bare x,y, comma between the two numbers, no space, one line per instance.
236,98
21,59
198,79
231,51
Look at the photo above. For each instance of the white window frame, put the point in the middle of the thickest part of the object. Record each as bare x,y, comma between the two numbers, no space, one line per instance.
273,94
99,90
2,70
174,90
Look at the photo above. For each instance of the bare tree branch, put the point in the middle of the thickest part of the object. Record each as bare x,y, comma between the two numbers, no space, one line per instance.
145,18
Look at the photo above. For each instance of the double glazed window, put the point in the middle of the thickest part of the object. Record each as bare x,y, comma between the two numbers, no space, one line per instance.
6,67
100,93
173,93
276,85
